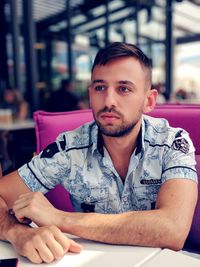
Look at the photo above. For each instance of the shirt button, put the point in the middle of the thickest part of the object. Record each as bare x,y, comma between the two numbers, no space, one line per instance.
125,198
87,200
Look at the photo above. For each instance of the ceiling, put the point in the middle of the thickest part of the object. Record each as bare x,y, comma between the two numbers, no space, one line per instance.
88,18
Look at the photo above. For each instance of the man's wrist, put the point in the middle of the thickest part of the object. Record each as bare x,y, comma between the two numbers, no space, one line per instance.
12,228
63,221
14,231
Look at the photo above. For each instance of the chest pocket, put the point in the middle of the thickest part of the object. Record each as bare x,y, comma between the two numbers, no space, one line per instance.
90,199
145,196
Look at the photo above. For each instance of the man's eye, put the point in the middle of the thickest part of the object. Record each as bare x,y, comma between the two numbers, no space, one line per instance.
100,88
124,89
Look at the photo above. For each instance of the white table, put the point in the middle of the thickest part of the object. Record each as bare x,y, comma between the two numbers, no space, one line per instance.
17,125
20,137
102,255
93,255
173,259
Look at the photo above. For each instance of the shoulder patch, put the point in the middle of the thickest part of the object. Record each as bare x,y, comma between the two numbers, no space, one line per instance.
181,144
50,151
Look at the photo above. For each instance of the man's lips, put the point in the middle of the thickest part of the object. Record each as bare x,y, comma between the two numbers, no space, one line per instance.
109,116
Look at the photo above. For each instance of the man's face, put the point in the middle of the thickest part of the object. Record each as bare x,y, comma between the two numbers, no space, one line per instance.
118,95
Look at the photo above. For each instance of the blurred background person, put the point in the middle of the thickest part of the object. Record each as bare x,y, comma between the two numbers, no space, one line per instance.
181,95
64,99
13,100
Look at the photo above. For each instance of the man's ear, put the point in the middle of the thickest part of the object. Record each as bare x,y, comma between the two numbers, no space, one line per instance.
150,100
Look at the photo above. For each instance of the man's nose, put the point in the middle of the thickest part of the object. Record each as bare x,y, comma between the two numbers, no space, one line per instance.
110,98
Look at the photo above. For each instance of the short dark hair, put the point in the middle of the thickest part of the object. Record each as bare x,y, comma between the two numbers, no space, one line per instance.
120,49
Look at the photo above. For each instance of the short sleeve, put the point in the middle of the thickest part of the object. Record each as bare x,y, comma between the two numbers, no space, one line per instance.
179,159
47,169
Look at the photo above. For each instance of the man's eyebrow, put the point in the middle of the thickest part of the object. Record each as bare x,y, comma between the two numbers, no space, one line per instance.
126,82
98,81
121,82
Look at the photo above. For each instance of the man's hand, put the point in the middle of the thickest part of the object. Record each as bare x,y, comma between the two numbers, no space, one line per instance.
35,207
43,244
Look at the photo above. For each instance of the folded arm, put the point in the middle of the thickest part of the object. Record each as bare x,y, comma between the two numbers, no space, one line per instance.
43,244
166,226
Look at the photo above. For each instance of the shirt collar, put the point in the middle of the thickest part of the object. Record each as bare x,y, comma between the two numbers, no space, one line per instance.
99,143
97,140
140,139
139,142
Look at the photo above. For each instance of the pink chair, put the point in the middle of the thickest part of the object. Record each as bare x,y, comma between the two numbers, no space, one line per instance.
49,125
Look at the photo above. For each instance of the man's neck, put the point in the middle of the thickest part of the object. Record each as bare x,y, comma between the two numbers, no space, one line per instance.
123,144
120,150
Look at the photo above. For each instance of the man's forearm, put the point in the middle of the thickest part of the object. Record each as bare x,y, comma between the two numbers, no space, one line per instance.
143,228
166,226
8,224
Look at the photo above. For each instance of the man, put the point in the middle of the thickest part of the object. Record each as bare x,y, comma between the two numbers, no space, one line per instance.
126,169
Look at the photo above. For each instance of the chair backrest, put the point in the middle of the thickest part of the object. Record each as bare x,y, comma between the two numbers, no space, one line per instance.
49,125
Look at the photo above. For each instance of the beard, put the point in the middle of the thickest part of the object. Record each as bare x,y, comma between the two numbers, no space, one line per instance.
116,131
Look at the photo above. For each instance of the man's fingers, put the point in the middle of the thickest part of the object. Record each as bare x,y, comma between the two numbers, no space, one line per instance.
46,253
44,244
66,243
20,219
74,247
22,211
62,243
20,203
20,207
28,198
62,240
23,200
56,249
20,216
34,256
31,253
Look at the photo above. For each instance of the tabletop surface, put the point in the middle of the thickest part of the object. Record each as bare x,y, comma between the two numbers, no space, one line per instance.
93,255
17,125
172,259
96,254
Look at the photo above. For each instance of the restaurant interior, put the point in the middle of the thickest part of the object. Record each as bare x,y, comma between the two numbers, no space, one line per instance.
46,44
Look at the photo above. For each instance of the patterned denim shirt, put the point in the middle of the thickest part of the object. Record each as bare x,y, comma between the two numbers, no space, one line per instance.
79,161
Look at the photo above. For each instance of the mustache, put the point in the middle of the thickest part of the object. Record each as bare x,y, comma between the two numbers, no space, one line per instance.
109,110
